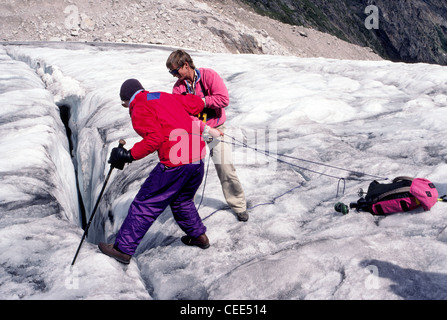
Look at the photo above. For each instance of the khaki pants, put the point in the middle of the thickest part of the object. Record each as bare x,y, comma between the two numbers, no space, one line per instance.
221,154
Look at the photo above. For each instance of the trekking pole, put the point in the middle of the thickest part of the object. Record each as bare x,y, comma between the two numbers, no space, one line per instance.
121,145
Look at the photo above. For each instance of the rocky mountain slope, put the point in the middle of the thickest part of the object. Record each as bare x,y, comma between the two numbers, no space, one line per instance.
214,26
409,31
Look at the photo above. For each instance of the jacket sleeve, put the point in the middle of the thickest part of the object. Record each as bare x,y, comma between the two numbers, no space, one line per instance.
191,103
199,123
145,123
218,96
178,88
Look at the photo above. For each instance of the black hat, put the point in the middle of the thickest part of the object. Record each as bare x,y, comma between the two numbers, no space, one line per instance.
128,89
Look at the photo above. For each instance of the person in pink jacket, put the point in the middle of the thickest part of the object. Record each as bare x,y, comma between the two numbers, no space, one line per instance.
208,85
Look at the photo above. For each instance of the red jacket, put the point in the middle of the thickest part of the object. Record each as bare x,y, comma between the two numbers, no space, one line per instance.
163,121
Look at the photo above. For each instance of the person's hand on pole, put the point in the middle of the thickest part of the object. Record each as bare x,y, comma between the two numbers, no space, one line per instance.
120,156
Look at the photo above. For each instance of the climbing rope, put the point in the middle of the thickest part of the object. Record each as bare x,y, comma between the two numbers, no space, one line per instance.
269,154
205,178
341,180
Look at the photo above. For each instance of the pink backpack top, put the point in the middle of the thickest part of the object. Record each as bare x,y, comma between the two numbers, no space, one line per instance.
403,194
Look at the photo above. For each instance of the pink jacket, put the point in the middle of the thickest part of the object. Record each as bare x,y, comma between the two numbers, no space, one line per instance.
209,85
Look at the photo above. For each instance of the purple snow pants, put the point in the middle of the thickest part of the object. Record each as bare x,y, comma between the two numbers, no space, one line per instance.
165,186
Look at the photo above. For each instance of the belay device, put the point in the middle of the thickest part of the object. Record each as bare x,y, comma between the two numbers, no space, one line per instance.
402,195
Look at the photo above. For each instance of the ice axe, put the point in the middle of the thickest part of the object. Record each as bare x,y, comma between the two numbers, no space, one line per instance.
121,145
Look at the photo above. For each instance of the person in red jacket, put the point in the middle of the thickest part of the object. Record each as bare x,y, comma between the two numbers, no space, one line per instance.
208,85
165,123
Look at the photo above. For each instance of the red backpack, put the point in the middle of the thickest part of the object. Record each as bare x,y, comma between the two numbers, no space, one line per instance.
402,195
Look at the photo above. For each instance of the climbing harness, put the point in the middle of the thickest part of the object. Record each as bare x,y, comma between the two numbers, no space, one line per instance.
203,116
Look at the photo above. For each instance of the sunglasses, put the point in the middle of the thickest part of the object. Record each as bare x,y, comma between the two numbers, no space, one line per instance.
175,72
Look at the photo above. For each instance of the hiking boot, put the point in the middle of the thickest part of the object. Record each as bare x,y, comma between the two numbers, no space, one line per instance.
242,216
201,241
111,251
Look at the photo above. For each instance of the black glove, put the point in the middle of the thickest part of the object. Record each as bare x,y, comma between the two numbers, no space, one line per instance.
119,157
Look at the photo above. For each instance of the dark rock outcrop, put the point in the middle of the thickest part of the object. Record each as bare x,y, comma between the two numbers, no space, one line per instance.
408,31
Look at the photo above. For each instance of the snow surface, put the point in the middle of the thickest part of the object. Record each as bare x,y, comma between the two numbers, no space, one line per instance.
380,118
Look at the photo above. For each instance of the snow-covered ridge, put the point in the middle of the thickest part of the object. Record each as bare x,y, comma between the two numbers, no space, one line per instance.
379,118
